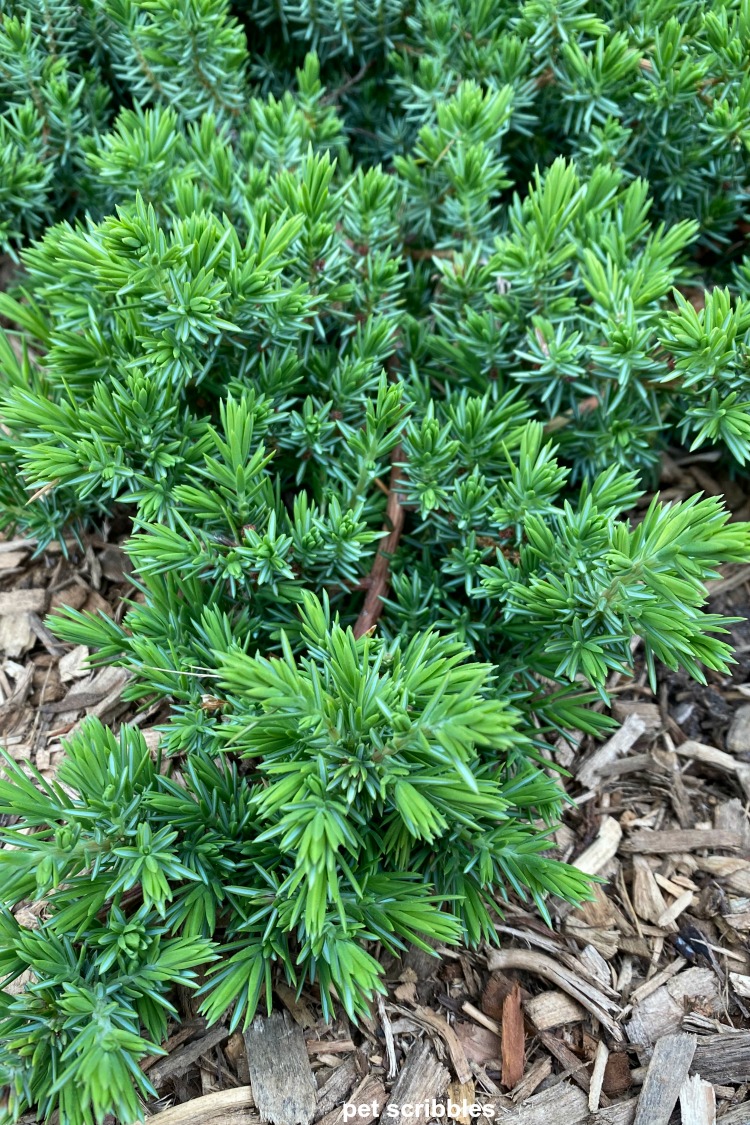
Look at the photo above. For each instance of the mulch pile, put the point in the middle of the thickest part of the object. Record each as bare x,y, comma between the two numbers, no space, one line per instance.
635,1008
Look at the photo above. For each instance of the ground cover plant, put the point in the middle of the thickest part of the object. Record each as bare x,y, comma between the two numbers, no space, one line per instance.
376,346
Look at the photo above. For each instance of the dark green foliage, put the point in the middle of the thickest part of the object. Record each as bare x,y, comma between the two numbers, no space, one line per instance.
441,257
659,89
73,1038
66,67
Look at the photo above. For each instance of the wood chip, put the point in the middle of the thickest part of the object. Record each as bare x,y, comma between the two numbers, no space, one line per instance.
673,888
280,1073
74,596
664,1012
733,815
456,1051
513,1039
422,1078
496,989
14,602
16,635
10,545
603,849
576,1068
734,872
562,1102
740,922
599,922
673,912
606,942
741,984
717,759
648,900
179,1061
368,1100
657,980
95,603
73,665
621,1114
738,735
552,1009
228,1107
617,1078
234,1052
335,1091
700,984
115,564
724,1057
11,560
390,1047
634,763
631,730
330,1046
737,1115
87,695
735,577
49,640
597,1075
596,967
667,1071
697,1102
649,713
461,1096
297,1008
371,1098
484,1020
479,1044
593,999
533,1078
649,842
656,1015
708,755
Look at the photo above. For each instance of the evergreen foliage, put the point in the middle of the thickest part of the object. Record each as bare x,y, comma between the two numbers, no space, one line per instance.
660,89
370,776
430,255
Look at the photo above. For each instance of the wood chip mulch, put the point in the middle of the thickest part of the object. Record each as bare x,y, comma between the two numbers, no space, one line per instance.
633,1009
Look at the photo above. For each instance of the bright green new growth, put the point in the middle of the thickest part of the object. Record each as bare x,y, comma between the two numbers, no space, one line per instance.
368,782
438,259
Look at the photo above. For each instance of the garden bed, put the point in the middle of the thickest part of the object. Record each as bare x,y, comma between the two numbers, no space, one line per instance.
569,1024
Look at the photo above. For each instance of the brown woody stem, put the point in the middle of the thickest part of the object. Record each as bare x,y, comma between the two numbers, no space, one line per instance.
378,583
